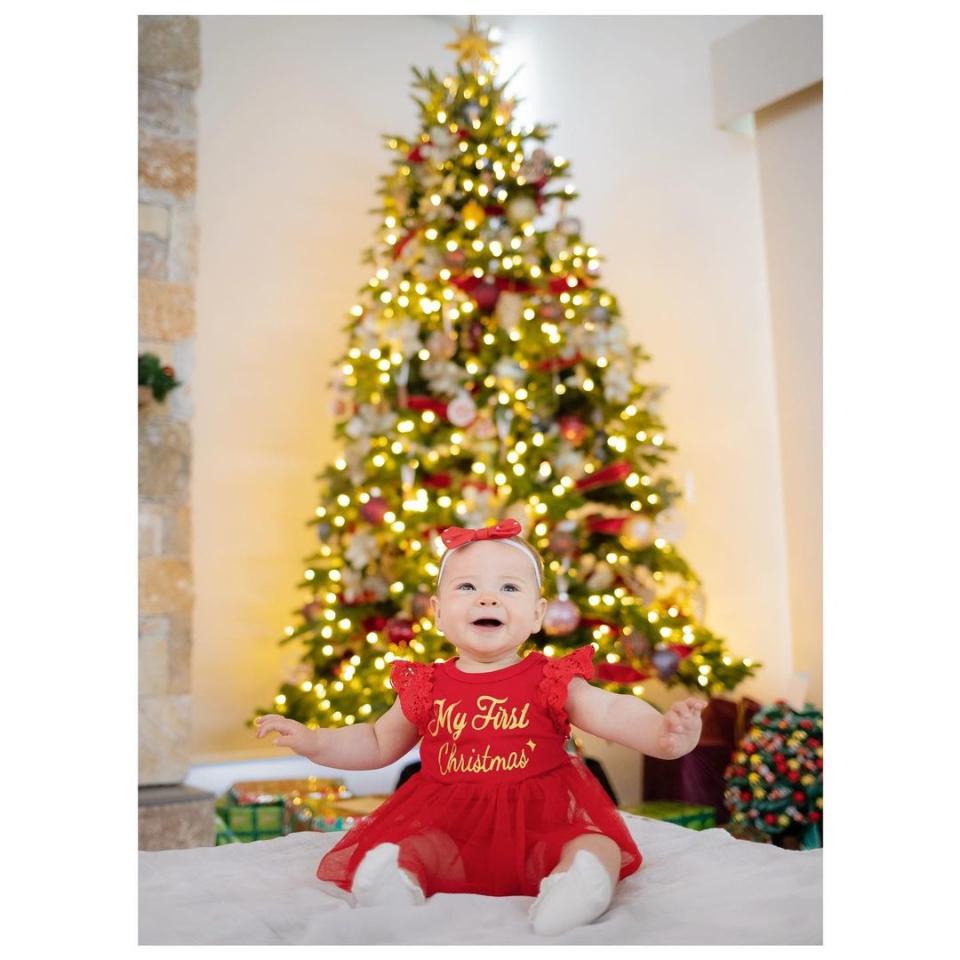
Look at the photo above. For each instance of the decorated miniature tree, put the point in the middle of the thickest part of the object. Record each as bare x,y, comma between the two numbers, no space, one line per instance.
487,375
774,782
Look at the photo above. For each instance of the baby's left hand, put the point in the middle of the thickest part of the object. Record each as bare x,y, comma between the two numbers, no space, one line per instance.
680,728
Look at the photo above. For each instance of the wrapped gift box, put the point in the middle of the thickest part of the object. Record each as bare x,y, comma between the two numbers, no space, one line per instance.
689,815
251,821
258,809
698,777
312,813
278,791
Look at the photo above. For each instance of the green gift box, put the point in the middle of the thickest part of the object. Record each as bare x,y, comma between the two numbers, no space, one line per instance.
673,811
251,821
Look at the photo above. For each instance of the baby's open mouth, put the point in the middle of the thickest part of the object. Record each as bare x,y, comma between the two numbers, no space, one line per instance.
487,623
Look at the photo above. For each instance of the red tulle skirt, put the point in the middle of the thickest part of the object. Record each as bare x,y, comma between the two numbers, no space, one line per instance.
495,839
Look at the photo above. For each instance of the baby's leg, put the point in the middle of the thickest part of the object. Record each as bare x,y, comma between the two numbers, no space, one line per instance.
379,881
580,887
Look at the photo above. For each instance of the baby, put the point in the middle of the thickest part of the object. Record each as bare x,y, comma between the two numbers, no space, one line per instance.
499,807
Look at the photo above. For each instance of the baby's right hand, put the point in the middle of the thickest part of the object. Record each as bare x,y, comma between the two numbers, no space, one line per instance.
293,734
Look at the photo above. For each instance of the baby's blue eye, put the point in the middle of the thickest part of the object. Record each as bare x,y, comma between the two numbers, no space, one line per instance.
513,585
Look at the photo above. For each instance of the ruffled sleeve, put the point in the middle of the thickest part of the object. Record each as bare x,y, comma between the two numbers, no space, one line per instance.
557,674
414,685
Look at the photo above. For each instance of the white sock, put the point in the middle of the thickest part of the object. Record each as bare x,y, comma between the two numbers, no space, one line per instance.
575,897
379,881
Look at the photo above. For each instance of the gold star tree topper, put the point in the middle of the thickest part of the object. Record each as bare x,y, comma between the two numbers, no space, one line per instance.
473,46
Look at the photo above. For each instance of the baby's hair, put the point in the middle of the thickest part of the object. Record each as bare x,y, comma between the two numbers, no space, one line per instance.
521,542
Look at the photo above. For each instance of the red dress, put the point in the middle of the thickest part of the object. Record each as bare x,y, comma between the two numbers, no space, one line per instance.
497,795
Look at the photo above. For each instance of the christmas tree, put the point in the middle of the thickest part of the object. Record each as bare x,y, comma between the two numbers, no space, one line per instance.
488,375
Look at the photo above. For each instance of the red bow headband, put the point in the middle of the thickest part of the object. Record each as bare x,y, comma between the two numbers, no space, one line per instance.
457,536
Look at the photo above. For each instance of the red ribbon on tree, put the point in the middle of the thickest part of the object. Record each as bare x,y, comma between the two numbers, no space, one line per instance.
561,285
610,474
559,363
619,673
457,536
419,401
435,480
398,248
598,523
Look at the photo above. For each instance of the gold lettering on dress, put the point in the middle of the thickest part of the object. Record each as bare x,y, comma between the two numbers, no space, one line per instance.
453,762
446,719
494,714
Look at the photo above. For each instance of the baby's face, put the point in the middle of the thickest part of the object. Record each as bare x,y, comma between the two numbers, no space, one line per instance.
488,580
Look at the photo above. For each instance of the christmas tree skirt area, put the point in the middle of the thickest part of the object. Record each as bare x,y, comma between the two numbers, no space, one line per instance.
694,887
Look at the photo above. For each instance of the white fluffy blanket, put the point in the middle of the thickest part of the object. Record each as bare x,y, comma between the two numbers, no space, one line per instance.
693,888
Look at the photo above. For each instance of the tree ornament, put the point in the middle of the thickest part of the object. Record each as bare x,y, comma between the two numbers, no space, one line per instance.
637,533
400,631
521,210
601,577
509,311
441,345
483,427
485,296
561,617
473,212
572,429
374,510
636,644
509,372
455,259
461,410
665,662
420,604
312,611
563,539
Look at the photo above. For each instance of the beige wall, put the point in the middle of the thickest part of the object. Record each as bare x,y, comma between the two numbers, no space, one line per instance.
767,82
789,152
290,114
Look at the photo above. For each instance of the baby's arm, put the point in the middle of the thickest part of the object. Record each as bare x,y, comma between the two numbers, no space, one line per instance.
363,746
629,721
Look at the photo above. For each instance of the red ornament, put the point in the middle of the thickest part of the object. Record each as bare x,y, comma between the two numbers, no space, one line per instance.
793,776
486,296
572,429
312,611
374,510
561,618
771,818
798,796
400,630
814,815
374,623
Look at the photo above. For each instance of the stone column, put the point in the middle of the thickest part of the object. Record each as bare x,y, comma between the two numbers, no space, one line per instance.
169,72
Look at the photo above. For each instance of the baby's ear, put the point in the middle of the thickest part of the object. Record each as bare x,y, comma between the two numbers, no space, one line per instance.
541,610
434,605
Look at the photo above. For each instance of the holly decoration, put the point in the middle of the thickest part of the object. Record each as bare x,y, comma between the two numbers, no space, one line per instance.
157,378
774,782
